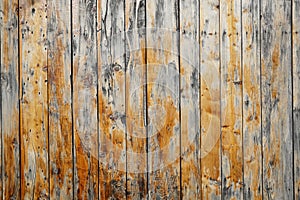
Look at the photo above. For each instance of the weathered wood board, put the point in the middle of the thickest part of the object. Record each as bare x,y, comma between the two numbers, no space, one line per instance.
296,94
60,99
85,78
163,99
210,149
33,99
231,99
276,86
111,96
252,145
189,99
136,88
10,140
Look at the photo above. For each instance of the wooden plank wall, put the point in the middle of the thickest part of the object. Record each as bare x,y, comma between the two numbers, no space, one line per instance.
150,99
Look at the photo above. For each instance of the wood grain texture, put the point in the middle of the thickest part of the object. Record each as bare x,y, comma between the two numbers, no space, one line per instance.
189,98
60,102
112,101
276,99
126,99
163,99
135,18
251,100
231,97
85,80
34,105
210,99
10,100
296,95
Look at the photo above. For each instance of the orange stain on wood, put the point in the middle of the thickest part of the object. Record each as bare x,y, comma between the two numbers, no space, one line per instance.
231,133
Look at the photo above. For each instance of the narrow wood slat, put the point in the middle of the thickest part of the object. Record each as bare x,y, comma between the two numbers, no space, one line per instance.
296,95
1,140
210,99
163,99
111,97
34,105
276,99
60,102
10,100
189,98
251,100
85,99
135,13
231,97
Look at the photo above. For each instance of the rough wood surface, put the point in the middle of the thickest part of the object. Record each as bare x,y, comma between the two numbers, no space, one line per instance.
10,99
189,98
296,94
276,99
135,13
210,99
34,105
85,80
117,99
60,102
251,100
111,98
231,97
163,99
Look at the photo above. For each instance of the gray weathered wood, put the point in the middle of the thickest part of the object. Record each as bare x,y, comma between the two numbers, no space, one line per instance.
135,99
10,100
111,96
163,99
296,94
251,100
34,105
60,102
231,97
210,99
85,80
189,98
276,99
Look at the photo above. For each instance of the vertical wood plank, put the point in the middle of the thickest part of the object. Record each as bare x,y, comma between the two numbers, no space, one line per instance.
251,100
10,100
231,105
135,13
112,101
210,99
85,119
60,102
276,99
296,95
1,138
34,106
163,99
190,107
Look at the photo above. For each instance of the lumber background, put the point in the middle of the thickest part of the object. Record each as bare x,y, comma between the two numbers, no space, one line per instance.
150,99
